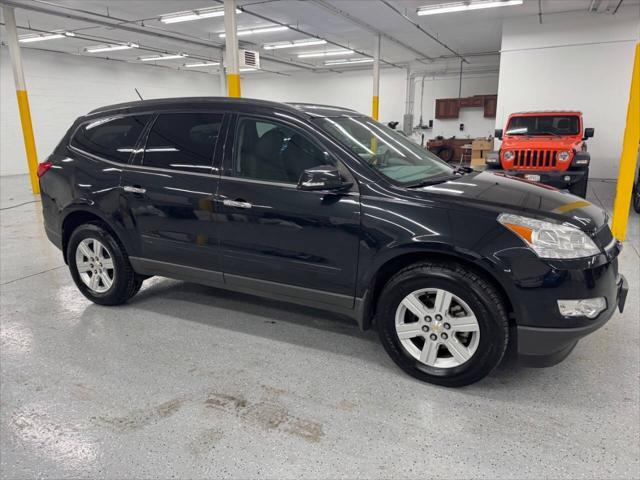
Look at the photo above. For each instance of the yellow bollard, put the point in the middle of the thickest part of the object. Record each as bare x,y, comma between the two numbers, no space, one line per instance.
629,156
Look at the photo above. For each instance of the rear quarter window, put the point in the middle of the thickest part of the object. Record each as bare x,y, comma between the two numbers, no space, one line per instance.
112,138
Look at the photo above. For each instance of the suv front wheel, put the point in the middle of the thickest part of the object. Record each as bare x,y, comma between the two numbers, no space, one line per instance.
443,323
100,267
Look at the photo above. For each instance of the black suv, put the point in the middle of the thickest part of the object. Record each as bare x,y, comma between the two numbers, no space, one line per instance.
325,207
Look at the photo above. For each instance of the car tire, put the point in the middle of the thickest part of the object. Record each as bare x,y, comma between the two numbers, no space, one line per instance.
467,291
100,266
580,187
636,197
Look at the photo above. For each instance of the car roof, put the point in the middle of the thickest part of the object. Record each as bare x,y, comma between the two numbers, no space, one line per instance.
306,109
549,112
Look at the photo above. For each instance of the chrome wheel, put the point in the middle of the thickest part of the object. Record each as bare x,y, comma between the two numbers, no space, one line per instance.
95,265
437,328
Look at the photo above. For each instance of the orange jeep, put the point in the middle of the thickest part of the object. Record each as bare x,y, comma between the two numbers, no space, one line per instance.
547,147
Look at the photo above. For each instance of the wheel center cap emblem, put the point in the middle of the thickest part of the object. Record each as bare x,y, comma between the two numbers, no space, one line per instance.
437,327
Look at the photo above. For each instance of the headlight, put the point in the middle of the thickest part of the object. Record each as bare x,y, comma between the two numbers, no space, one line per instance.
563,156
508,155
550,240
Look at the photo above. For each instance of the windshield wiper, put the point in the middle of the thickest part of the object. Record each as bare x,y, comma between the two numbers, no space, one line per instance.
544,132
431,181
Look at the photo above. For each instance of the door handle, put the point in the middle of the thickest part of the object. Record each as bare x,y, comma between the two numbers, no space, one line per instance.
236,203
132,189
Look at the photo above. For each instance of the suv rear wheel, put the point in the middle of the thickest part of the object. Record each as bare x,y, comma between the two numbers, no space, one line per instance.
100,266
442,323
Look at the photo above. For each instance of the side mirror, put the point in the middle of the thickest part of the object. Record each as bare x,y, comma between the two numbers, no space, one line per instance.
588,133
322,177
499,133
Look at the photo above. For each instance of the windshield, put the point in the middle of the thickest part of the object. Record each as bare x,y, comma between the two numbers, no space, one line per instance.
386,150
544,125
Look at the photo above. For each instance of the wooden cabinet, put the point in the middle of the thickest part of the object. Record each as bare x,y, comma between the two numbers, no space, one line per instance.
490,106
447,108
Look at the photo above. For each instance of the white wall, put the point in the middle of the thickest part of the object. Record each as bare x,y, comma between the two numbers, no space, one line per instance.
354,90
350,90
576,61
62,87
473,118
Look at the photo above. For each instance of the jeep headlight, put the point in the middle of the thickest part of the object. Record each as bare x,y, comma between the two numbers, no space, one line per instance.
550,240
507,155
563,155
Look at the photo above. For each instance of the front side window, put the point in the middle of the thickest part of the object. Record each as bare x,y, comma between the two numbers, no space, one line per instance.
113,138
544,125
386,150
272,151
183,141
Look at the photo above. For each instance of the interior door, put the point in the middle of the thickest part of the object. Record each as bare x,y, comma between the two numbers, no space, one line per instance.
170,190
274,236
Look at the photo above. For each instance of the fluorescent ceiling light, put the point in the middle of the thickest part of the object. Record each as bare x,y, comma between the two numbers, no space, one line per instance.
465,6
39,37
298,43
331,53
348,62
202,64
252,31
244,70
193,15
162,57
111,47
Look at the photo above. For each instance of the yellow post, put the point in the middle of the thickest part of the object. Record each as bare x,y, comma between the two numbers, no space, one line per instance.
629,155
233,84
231,53
376,79
23,99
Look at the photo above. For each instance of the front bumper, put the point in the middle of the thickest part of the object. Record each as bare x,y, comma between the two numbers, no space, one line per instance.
558,179
544,347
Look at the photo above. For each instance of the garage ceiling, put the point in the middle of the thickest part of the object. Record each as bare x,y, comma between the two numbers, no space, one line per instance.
351,24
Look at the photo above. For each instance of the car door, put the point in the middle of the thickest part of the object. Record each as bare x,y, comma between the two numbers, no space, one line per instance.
274,237
169,191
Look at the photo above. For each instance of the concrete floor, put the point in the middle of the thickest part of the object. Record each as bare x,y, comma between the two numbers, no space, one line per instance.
188,381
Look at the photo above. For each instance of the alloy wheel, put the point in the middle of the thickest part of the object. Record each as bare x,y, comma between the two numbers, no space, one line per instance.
437,328
95,265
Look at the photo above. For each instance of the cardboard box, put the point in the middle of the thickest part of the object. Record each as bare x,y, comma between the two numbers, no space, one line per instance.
477,160
482,144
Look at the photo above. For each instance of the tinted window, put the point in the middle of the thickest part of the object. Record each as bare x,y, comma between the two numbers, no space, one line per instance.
183,141
272,151
113,138
544,125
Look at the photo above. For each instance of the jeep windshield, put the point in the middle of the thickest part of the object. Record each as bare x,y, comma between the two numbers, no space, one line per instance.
544,125
387,151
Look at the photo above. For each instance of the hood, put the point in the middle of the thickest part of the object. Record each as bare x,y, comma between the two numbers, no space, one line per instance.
502,193
539,143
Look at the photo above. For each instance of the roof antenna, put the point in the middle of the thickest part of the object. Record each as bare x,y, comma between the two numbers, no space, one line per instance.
138,94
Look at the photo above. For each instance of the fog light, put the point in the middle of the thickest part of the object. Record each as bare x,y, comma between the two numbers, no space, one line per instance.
567,178
587,307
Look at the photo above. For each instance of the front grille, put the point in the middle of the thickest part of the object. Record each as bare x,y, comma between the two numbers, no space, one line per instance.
535,159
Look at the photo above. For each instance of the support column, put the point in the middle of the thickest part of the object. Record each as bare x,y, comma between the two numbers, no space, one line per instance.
376,79
629,157
231,52
223,77
23,99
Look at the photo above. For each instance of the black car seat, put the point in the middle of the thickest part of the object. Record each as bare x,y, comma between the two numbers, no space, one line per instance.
265,162
298,156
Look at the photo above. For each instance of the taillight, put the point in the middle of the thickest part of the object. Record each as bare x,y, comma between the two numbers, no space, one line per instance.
44,168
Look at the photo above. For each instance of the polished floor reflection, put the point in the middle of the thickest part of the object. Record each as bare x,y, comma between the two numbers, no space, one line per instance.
188,381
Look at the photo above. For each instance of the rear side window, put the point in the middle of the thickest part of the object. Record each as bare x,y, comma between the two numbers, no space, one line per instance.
183,141
113,138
